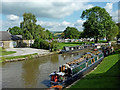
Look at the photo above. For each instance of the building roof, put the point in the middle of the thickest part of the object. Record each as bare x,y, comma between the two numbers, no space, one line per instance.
6,36
16,37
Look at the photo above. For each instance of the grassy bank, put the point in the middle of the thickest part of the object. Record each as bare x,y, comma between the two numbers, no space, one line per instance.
106,75
17,57
4,52
61,45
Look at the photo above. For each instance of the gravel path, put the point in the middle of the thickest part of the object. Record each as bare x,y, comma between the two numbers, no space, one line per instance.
26,51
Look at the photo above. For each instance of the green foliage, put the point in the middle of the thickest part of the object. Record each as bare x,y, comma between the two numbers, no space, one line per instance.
118,36
98,24
29,29
112,33
71,33
54,45
15,30
49,35
40,44
28,26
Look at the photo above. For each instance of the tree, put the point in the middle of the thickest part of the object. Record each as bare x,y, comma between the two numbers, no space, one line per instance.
112,33
98,23
49,35
71,32
15,30
28,25
118,36
31,29
40,44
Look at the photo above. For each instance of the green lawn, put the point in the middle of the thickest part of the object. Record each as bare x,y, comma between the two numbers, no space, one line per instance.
4,52
106,75
61,45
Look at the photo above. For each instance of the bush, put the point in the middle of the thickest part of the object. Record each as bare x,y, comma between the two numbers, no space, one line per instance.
54,45
40,44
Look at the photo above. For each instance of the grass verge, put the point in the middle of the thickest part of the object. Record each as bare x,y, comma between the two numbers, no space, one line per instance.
4,52
17,57
106,75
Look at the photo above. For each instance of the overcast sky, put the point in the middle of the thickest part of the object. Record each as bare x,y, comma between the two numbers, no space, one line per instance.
54,15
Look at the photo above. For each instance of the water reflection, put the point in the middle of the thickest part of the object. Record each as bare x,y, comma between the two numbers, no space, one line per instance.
54,58
30,73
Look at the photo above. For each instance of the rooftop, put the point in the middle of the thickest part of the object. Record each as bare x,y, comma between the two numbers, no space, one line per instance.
6,36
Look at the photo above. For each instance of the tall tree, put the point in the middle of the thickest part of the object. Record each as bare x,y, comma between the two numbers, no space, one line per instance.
98,23
71,32
29,29
28,25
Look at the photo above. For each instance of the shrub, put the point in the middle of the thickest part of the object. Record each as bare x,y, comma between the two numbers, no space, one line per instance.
40,44
54,45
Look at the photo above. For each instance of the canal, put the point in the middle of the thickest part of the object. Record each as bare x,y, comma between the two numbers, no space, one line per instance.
34,73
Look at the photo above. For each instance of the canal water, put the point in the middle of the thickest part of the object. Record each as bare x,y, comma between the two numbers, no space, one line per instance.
34,73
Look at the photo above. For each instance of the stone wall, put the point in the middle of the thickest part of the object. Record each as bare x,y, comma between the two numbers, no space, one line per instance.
6,44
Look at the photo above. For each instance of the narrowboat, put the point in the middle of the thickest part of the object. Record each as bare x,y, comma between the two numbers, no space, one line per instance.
70,71
73,48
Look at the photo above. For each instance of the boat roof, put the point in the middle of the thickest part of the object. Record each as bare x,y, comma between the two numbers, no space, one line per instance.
58,73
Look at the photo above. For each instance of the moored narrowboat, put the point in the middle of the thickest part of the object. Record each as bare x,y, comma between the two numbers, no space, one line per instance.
69,71
73,48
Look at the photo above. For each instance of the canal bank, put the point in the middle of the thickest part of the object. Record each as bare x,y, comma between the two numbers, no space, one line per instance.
30,53
25,57
24,54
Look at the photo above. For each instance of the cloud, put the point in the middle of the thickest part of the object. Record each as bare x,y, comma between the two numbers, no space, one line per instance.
54,26
48,25
114,14
9,24
109,7
79,22
61,26
12,17
46,8
65,23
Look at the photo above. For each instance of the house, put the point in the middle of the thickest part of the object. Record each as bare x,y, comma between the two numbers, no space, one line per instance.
8,40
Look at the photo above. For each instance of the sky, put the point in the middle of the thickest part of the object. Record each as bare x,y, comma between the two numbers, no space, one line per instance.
54,15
